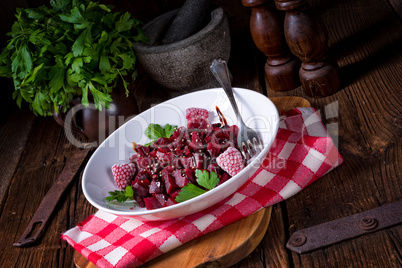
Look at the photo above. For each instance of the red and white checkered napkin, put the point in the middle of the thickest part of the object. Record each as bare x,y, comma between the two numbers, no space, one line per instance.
302,153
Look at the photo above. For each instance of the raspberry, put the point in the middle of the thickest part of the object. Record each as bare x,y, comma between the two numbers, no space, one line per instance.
196,113
230,161
123,174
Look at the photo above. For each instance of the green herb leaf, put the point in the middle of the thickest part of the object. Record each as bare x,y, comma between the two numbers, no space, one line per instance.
169,130
104,64
56,75
129,191
124,23
121,196
207,179
188,192
156,131
68,49
22,62
79,44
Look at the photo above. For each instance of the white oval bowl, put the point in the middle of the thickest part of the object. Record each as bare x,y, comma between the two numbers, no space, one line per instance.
257,110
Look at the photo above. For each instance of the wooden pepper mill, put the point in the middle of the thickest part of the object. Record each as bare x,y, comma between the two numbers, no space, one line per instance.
307,38
266,27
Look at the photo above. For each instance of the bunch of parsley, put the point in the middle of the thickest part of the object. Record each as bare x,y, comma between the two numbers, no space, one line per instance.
72,48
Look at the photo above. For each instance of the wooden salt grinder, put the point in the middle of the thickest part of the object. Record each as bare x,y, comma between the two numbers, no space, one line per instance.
266,27
307,38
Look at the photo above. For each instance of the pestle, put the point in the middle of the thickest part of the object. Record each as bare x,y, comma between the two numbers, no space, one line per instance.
192,17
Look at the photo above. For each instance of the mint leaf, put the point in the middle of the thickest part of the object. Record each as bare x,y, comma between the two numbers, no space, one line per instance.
207,179
189,191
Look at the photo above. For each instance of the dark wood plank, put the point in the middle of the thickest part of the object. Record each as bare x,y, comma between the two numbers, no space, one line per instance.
397,6
42,161
13,137
365,122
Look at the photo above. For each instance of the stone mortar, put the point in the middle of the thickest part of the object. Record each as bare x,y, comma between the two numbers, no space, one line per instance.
184,65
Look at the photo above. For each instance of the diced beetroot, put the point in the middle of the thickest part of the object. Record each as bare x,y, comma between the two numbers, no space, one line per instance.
162,198
190,174
141,189
156,186
176,163
233,131
175,193
179,135
187,151
197,142
144,163
213,149
222,135
187,162
142,176
167,170
133,158
152,203
199,124
152,154
170,184
156,166
169,164
180,178
199,161
171,201
164,158
140,149
160,143
213,167
140,201
224,178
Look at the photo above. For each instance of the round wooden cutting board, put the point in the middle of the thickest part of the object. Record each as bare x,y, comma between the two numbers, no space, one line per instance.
223,247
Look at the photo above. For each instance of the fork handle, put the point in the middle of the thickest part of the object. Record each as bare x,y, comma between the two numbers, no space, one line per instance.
220,70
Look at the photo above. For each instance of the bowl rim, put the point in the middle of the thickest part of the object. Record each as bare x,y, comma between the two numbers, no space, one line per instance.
217,18
145,212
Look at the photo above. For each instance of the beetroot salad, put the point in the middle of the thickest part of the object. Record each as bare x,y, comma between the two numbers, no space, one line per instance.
180,162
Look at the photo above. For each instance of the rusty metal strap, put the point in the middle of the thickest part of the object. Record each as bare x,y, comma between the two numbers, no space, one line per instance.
43,214
342,229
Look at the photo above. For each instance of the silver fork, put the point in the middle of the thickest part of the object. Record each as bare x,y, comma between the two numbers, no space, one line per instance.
247,139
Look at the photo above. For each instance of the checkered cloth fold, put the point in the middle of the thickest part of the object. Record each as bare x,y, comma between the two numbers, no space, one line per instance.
302,153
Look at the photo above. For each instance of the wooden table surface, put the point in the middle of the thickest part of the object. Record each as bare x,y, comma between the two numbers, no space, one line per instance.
363,117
